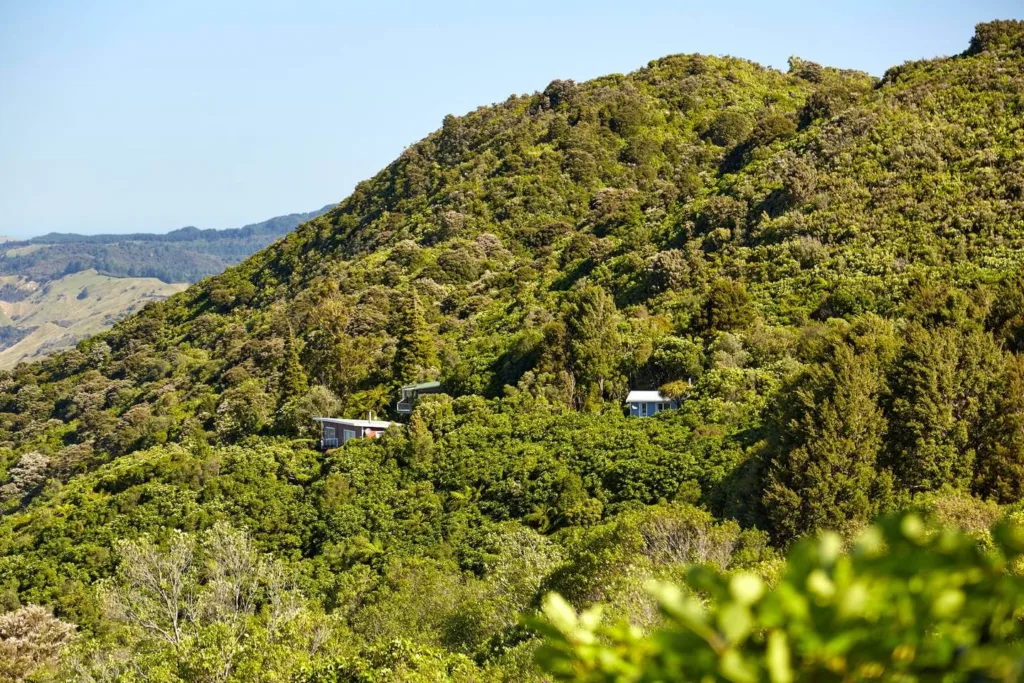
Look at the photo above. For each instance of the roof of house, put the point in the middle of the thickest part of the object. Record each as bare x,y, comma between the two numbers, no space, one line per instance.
421,386
646,397
372,424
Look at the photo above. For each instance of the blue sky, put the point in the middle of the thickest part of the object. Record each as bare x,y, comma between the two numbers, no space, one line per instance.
148,116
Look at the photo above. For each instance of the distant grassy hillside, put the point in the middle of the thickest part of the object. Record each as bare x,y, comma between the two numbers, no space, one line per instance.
64,311
59,288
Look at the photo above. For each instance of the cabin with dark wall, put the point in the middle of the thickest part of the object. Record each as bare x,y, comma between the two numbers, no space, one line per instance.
336,431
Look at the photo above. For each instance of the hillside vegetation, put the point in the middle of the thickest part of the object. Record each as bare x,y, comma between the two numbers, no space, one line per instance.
823,266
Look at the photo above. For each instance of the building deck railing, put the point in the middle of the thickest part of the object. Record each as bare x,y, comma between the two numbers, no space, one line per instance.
404,406
329,443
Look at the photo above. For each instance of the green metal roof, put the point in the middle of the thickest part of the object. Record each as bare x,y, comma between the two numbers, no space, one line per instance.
421,386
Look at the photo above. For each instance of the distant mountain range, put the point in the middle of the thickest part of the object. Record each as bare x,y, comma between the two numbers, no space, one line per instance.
58,288
184,255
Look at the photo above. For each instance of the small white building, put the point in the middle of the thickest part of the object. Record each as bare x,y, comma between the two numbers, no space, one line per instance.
337,431
648,403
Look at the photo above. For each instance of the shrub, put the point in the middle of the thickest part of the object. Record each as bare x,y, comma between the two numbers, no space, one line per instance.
728,306
730,128
31,639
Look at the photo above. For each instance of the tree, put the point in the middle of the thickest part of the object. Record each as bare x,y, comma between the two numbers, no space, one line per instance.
296,416
243,410
26,476
156,590
675,359
828,433
206,599
593,344
453,142
293,378
1000,460
730,128
1006,319
415,353
728,306
1005,36
941,381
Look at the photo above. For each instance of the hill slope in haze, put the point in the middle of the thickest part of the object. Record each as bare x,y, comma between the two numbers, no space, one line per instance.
183,255
45,282
825,267
57,315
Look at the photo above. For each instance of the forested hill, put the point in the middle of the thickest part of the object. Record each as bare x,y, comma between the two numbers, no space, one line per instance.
824,267
183,255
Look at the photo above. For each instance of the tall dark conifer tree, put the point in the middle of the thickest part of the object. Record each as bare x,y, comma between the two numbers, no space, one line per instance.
293,378
415,352
822,470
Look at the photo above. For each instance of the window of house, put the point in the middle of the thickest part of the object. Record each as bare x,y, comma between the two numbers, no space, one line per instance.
330,433
347,434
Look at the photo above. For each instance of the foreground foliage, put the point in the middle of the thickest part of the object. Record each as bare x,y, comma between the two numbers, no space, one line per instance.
909,602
